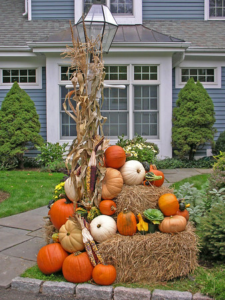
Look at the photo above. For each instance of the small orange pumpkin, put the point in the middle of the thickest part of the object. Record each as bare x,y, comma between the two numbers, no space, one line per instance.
77,268
60,211
168,204
173,224
107,207
115,157
104,274
154,170
183,213
112,183
50,258
126,223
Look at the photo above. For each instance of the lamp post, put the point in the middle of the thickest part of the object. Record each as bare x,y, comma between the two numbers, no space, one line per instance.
99,22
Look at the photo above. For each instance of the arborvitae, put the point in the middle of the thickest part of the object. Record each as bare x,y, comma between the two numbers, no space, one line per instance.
193,119
19,124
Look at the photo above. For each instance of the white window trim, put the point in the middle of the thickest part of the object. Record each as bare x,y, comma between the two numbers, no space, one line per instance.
136,18
206,13
25,85
209,85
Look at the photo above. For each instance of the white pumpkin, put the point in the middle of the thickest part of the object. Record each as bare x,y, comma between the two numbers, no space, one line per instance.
103,228
70,190
133,172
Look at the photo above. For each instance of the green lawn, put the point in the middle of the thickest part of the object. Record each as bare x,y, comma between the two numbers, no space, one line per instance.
199,181
28,190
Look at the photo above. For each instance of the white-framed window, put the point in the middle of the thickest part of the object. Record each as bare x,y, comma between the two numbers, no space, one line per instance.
115,72
202,75
214,9
27,78
124,11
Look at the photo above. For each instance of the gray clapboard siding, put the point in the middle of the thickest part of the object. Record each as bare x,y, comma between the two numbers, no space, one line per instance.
39,98
52,9
218,96
173,10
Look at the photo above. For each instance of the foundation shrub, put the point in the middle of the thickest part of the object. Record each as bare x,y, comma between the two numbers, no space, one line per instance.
220,144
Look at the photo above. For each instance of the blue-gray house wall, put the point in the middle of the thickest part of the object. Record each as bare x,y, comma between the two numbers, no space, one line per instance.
39,98
173,10
52,9
218,97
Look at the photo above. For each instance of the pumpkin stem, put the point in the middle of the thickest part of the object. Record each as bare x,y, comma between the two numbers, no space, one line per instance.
153,167
99,225
113,208
68,233
68,200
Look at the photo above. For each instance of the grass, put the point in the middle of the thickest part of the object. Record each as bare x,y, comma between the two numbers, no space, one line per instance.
199,181
208,281
28,190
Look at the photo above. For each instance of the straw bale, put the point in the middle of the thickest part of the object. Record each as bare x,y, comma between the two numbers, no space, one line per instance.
155,257
49,229
137,198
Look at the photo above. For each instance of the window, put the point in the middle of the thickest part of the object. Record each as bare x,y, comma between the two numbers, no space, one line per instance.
21,75
116,72
216,8
115,108
121,6
66,73
88,4
146,110
145,72
203,75
68,125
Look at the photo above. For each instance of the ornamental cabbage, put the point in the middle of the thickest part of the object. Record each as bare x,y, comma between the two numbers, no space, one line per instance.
154,215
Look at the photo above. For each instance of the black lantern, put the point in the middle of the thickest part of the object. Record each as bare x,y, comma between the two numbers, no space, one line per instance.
98,22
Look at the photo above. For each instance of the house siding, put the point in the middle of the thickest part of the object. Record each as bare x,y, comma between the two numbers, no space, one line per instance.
218,97
173,10
52,10
39,98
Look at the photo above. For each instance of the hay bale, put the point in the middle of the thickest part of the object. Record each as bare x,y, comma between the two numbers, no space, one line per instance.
137,198
153,257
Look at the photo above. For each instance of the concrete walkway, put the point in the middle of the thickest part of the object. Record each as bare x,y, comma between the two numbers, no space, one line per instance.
21,236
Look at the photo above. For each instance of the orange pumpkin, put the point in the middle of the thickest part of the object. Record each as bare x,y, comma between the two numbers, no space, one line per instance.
50,258
183,213
173,224
112,184
60,211
154,170
104,274
126,223
115,157
168,204
107,207
77,268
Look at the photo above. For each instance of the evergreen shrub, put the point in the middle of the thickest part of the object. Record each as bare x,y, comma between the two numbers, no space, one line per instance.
220,144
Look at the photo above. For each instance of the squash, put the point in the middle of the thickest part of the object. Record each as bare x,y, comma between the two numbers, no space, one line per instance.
168,204
77,268
146,165
107,207
103,228
142,226
70,237
112,183
50,258
60,211
126,223
70,190
115,157
104,274
173,224
133,172
183,213
154,170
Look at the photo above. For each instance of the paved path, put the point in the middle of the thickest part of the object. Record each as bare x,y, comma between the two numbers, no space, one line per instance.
21,236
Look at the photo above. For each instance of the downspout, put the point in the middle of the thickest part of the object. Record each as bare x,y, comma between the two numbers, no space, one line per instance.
26,9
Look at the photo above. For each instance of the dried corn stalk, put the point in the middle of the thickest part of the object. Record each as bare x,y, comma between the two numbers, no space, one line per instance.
87,80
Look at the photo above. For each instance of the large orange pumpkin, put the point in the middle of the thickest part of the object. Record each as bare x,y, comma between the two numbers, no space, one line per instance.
112,184
126,223
173,224
104,274
154,170
77,268
107,207
50,258
183,213
168,204
115,157
60,211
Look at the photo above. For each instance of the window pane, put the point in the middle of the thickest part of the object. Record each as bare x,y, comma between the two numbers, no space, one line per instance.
6,79
23,72
193,71
185,71
68,125
145,72
116,72
14,72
